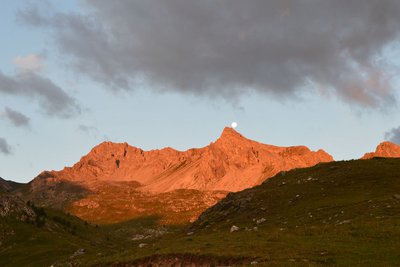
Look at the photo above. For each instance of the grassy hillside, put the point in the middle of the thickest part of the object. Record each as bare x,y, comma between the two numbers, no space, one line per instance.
338,214
35,236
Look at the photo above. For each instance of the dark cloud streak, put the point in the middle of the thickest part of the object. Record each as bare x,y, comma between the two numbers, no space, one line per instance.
230,47
88,129
16,117
53,100
4,146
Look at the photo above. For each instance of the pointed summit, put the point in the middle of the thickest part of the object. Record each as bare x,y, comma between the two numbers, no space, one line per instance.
231,139
229,132
230,135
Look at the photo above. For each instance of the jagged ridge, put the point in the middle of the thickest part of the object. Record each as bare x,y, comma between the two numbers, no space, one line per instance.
117,182
232,163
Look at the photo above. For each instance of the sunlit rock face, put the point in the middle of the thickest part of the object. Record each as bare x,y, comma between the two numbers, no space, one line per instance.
117,182
384,150
231,163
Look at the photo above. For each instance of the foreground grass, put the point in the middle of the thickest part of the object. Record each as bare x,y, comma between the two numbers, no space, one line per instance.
339,214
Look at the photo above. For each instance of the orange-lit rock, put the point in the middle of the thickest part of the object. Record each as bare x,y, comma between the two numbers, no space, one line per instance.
231,163
384,150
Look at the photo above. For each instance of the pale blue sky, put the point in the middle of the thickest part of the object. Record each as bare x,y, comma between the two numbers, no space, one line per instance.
152,120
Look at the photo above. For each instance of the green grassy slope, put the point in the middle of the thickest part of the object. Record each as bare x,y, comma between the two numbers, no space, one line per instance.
31,236
338,214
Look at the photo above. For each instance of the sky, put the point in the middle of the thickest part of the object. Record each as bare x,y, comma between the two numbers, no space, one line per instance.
174,73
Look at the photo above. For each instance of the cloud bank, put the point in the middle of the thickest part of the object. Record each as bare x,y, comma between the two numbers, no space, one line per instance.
230,47
53,100
393,135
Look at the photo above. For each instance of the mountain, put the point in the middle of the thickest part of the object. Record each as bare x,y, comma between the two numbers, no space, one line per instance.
232,163
165,181
384,150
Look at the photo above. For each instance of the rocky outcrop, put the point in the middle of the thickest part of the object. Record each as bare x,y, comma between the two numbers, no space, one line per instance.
12,206
384,150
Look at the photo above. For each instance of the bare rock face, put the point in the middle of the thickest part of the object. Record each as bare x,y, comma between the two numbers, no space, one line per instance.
116,182
232,163
384,150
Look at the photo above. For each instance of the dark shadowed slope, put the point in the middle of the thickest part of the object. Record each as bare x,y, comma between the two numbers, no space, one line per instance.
8,186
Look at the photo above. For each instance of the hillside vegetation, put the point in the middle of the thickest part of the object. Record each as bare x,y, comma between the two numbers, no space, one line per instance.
339,213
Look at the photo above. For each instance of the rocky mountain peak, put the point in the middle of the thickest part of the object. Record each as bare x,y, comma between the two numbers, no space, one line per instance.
230,133
232,140
231,163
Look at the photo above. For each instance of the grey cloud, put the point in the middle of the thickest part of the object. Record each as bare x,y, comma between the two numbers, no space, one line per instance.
4,146
53,100
88,129
393,135
17,118
230,47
